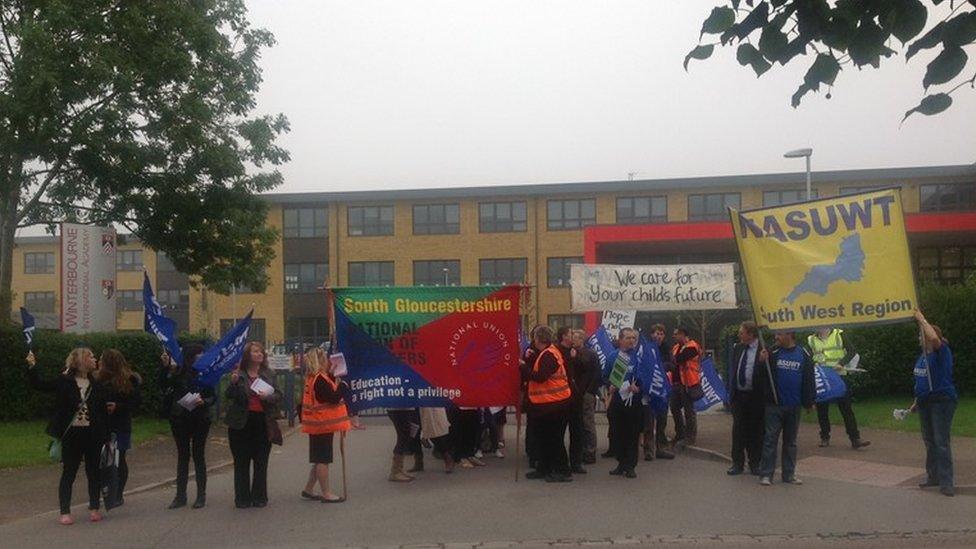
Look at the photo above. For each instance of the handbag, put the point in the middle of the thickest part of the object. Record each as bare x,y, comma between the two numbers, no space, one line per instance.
274,431
108,474
55,446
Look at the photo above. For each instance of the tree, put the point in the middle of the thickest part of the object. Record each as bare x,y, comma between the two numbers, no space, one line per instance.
845,33
138,114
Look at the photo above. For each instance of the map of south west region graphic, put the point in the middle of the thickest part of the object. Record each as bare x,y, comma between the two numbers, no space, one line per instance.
848,267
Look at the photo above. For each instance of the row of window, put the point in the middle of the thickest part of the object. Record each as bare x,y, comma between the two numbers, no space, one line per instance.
125,260
448,272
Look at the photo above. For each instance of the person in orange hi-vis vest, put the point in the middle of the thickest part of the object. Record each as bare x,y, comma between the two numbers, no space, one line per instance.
549,398
687,386
323,415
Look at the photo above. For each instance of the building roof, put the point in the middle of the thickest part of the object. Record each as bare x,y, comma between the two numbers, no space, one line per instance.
879,175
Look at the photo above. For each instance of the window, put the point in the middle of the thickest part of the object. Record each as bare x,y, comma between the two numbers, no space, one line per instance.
571,214
305,277
174,300
370,273
642,209
436,219
128,300
39,263
128,260
370,220
434,273
502,217
255,333
39,302
948,197
305,222
557,272
856,189
789,196
164,264
309,330
711,206
572,321
502,271
946,265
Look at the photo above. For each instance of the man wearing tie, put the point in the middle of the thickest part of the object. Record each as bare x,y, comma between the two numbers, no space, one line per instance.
747,404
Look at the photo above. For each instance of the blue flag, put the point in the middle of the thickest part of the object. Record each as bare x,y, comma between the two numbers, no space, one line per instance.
829,384
27,320
524,342
650,373
712,385
157,324
600,344
224,355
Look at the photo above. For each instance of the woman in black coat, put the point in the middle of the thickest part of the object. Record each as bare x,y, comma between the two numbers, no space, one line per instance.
121,392
79,422
189,422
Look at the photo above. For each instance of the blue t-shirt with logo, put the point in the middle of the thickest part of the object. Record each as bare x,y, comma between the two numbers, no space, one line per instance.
789,375
940,365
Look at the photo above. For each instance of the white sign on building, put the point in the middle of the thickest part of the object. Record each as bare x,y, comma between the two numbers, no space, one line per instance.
87,278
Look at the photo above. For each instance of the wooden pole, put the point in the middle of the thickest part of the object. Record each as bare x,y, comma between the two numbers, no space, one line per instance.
342,454
518,441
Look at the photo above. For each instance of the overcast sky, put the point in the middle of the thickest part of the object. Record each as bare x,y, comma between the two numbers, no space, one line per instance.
400,94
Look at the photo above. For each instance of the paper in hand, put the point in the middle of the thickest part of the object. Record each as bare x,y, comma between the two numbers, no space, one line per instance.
262,387
339,367
852,365
190,401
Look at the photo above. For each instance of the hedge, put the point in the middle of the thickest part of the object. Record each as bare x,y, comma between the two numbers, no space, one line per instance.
888,351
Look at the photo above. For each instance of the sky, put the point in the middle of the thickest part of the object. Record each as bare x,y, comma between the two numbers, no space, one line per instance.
385,94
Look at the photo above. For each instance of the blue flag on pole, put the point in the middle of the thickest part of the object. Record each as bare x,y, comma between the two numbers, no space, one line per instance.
829,384
156,322
27,320
712,386
224,355
600,344
650,373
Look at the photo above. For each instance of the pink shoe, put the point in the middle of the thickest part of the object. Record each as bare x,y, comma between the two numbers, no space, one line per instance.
95,516
66,520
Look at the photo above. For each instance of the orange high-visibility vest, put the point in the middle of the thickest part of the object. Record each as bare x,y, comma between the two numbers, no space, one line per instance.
554,389
690,372
319,418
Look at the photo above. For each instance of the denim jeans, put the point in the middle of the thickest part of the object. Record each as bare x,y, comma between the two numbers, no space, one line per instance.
785,420
935,414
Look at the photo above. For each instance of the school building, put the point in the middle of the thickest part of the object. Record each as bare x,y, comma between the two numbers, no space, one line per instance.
502,234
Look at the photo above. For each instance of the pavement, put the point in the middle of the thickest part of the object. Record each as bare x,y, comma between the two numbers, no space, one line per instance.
688,501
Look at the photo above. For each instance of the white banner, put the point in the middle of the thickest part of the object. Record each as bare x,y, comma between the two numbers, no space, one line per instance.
652,287
614,321
87,278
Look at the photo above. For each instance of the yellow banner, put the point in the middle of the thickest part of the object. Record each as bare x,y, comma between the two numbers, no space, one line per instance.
831,262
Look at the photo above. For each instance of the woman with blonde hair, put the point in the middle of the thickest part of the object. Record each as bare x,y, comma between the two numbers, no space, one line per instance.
249,419
78,422
323,414
120,391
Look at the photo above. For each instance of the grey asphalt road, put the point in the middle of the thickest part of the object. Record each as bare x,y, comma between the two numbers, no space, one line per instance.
685,497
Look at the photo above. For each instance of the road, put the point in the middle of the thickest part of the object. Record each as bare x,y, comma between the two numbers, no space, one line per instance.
686,497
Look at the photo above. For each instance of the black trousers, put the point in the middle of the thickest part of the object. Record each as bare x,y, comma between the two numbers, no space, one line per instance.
191,440
406,423
250,445
613,410
77,445
683,411
551,440
576,433
748,428
466,432
627,427
846,411
655,430
531,437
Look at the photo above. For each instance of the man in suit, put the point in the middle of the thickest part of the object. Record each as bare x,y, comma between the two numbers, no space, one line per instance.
747,403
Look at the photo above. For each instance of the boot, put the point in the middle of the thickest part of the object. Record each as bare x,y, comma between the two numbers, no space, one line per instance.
448,463
418,463
396,470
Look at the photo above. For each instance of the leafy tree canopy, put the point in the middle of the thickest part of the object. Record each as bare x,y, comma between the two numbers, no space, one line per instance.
139,114
845,33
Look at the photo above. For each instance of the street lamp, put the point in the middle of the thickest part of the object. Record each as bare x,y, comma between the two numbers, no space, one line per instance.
803,153
445,275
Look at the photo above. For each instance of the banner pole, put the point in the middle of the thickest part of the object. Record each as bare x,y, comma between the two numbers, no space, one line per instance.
342,454
518,440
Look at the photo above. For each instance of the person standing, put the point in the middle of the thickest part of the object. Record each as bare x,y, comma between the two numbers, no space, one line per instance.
626,401
829,348
79,422
189,421
406,424
466,435
248,420
549,393
655,429
588,381
435,427
564,341
323,415
787,380
686,386
748,405
935,401
122,395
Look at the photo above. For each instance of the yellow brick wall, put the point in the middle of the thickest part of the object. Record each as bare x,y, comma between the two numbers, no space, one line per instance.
22,282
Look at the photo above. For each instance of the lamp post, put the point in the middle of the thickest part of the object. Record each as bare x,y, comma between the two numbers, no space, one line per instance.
803,153
445,275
